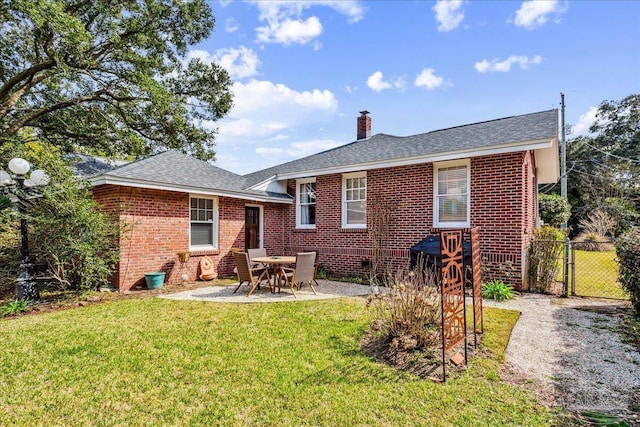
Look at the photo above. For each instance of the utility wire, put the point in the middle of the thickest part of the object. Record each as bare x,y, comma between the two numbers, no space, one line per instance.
609,154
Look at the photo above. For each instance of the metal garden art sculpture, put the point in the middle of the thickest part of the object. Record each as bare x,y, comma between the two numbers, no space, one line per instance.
452,291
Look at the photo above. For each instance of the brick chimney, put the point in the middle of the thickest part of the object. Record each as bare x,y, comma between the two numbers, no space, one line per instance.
364,125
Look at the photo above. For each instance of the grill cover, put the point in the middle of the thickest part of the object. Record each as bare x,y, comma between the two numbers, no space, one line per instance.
429,250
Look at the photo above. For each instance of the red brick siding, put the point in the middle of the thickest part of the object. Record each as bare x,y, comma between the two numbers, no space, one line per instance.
501,205
158,228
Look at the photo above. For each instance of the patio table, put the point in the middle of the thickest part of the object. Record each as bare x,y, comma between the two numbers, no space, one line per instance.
275,262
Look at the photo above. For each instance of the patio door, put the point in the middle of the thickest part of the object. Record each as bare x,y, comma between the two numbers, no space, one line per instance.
251,227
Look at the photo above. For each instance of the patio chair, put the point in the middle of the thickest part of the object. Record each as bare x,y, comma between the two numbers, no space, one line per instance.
304,271
246,274
256,253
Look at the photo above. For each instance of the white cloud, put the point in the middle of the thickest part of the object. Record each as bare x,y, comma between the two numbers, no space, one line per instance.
377,83
504,66
448,14
231,25
297,150
272,114
535,13
290,31
240,63
428,79
584,122
285,24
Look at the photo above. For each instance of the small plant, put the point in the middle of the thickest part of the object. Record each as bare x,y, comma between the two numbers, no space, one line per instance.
15,307
498,290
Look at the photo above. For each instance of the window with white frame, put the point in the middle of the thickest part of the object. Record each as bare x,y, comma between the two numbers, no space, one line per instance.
451,193
306,203
354,200
203,222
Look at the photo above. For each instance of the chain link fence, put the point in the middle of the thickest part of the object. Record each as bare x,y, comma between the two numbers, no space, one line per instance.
586,269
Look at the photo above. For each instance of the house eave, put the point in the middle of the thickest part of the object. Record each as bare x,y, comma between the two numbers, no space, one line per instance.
138,183
430,158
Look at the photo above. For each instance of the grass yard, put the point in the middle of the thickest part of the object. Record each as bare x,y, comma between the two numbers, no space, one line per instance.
161,362
597,275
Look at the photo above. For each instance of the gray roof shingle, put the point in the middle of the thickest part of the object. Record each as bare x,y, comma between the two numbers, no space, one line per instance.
179,170
176,169
381,147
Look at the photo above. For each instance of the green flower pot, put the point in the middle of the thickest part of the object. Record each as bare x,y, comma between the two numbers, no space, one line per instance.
154,280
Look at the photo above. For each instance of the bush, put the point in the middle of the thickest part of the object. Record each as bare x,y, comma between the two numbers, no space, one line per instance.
498,290
546,247
554,209
628,253
592,242
407,315
70,239
599,223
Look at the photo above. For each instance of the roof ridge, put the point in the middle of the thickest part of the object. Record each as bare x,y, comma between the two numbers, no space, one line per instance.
487,121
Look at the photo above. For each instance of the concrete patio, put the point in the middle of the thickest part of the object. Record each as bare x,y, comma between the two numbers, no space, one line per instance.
325,289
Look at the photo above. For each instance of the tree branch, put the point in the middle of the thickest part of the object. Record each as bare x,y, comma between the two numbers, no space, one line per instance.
96,96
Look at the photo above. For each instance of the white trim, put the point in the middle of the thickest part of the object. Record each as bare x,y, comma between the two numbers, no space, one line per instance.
215,220
428,158
139,183
346,176
261,229
298,224
436,201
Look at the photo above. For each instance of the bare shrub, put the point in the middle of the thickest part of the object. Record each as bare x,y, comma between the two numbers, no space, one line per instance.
407,315
598,223
546,248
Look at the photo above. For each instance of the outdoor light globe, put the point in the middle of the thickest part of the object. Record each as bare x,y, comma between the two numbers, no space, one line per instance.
5,179
39,177
184,277
19,166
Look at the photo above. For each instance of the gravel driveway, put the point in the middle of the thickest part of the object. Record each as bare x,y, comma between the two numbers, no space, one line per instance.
567,350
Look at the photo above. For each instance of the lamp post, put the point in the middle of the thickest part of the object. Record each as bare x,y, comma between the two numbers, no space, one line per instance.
20,186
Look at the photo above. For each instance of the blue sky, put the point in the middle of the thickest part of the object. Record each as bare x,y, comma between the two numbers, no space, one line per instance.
303,70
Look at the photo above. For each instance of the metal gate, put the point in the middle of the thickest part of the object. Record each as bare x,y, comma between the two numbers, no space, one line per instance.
586,269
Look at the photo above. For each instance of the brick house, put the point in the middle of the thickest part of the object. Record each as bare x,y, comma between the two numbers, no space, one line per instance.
483,174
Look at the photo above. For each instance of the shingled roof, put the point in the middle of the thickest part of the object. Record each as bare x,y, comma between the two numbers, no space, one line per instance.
172,170
176,171
509,133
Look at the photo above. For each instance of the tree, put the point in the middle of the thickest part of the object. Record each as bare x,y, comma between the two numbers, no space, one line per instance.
605,166
110,77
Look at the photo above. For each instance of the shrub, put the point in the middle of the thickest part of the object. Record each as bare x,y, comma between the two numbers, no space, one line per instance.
407,314
498,290
592,242
599,223
554,209
546,247
70,239
628,253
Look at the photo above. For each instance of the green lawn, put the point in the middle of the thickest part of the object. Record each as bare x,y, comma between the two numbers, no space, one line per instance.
597,275
160,362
